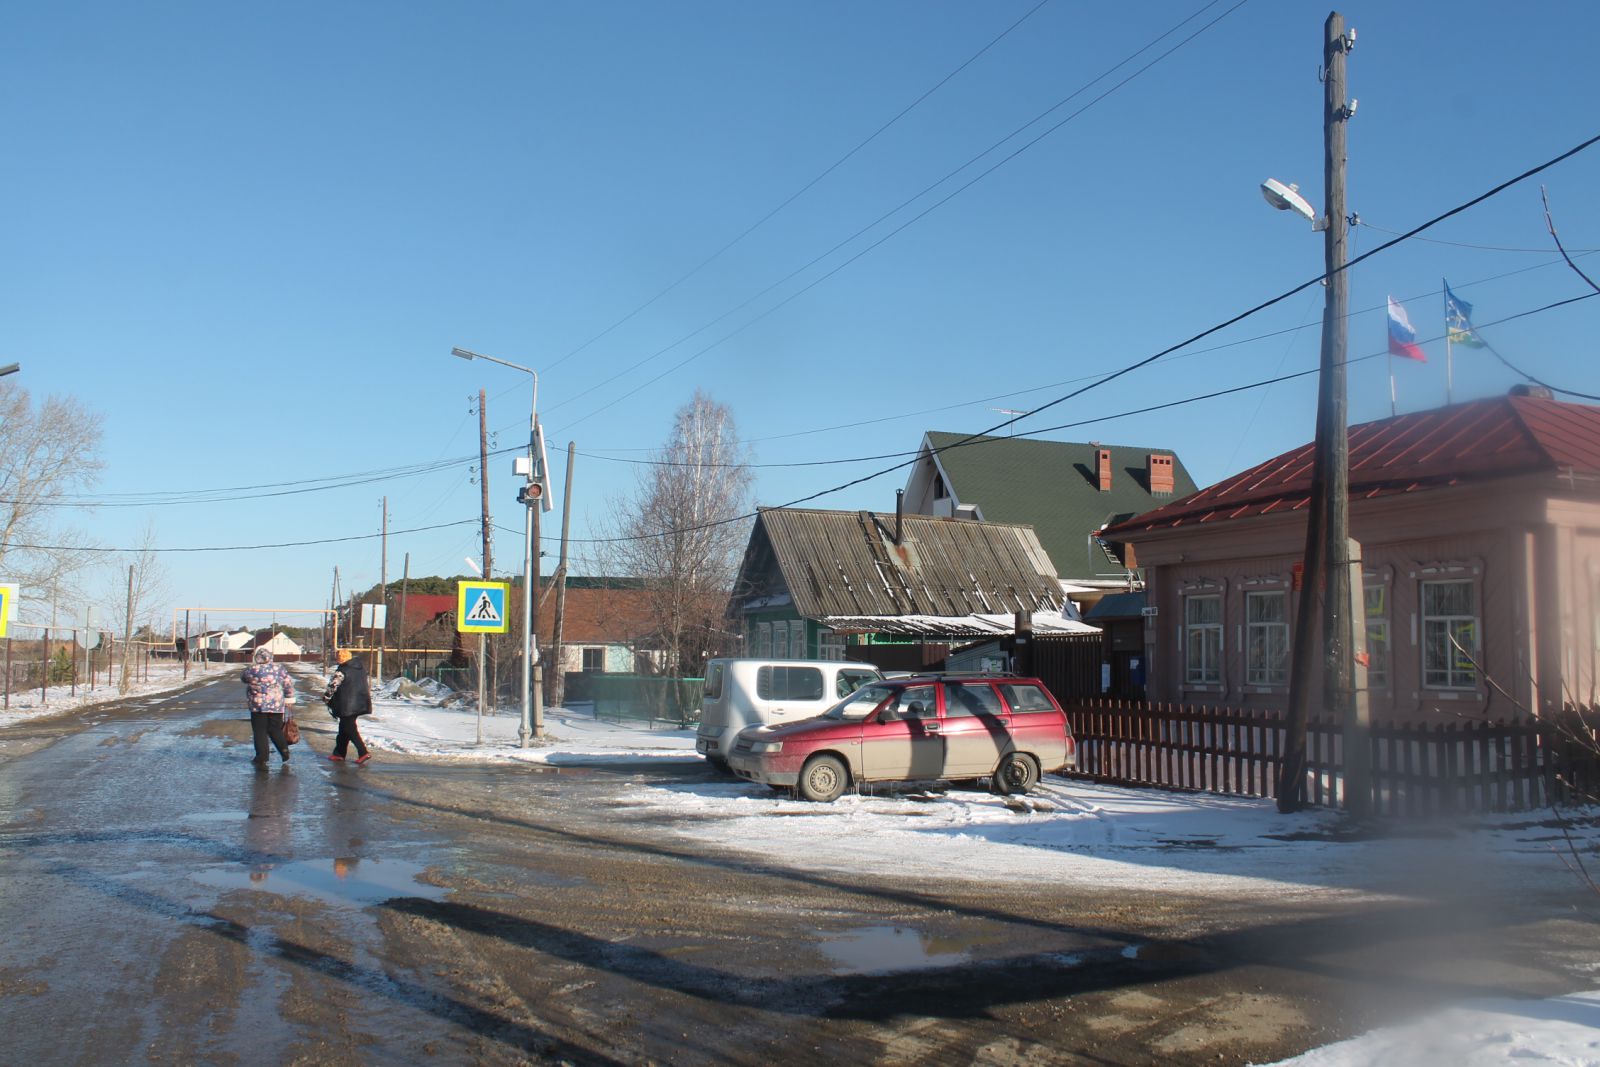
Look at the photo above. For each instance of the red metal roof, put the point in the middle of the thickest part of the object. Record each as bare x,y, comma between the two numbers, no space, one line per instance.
1426,449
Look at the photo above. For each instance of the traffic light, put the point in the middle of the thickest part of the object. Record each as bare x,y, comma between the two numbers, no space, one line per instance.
529,494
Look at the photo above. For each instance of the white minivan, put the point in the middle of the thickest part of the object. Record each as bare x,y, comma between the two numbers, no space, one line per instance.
755,692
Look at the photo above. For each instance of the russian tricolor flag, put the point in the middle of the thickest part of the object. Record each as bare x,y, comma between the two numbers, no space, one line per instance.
1402,338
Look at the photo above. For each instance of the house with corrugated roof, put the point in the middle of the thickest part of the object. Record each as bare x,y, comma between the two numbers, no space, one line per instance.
1067,492
1479,526
896,590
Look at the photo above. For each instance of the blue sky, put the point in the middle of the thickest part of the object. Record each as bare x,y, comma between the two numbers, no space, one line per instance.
248,237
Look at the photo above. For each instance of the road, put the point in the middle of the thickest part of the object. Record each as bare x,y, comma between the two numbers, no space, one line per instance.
163,902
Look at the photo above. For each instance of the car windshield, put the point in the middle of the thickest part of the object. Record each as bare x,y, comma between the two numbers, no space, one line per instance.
858,705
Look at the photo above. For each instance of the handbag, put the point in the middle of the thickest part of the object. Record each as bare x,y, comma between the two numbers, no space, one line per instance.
291,731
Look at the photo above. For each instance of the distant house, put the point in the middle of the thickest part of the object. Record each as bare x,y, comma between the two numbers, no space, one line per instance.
607,627
892,590
279,644
1066,492
1480,532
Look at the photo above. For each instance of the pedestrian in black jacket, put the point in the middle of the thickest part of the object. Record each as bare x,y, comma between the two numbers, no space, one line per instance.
348,696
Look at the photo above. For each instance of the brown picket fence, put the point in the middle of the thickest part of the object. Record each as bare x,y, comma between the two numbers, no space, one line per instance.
1418,768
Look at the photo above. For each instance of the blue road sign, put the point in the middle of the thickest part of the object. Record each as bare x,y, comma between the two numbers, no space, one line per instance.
481,607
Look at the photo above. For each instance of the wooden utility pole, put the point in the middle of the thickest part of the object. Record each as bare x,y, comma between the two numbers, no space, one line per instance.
1326,574
127,630
558,677
333,622
485,647
382,612
405,583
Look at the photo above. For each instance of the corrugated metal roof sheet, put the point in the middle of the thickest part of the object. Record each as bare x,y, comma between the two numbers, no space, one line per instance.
1482,439
946,626
847,563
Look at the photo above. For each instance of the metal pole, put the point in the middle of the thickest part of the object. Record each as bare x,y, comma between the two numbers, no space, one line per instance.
482,641
526,729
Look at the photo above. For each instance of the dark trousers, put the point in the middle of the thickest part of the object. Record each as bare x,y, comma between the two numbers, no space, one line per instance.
348,735
265,727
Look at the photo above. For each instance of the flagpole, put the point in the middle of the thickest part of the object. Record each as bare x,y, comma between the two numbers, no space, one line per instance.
1449,355
1392,409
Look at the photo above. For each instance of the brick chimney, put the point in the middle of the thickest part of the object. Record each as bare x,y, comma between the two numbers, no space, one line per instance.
1102,458
1159,468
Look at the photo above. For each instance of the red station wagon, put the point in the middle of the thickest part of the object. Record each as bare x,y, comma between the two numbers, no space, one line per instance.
1007,729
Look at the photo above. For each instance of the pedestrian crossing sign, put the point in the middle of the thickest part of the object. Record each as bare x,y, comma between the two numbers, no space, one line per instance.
481,607
8,605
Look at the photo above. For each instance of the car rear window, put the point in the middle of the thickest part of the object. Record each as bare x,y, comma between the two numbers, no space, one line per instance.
789,683
713,690
849,681
1026,698
970,700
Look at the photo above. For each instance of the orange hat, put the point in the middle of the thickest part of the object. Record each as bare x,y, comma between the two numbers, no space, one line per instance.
344,655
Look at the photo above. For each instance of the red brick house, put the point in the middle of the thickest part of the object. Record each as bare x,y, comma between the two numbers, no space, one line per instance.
1480,533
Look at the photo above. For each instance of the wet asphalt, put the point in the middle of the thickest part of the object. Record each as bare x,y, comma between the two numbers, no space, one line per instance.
163,901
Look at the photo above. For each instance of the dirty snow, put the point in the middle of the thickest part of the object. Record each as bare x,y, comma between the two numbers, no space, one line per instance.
28,704
1562,1031
1066,832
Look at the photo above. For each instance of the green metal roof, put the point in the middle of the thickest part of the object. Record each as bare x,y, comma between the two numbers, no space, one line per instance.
1052,486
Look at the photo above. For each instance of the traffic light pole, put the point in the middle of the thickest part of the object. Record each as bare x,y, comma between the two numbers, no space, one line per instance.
531,726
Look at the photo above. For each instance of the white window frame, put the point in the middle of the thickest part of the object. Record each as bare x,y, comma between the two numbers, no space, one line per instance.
1265,674
763,640
780,640
830,646
1193,630
1457,678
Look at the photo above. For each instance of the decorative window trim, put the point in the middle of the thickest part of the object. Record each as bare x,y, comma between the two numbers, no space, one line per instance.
1211,591
1266,685
1442,572
1380,576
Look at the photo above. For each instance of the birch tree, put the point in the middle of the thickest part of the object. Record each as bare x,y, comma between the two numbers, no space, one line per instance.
682,532
48,452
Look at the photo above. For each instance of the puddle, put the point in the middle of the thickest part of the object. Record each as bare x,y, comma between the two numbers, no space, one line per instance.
885,949
215,816
340,881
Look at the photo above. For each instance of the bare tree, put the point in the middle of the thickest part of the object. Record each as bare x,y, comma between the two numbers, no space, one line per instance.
46,453
683,531
146,583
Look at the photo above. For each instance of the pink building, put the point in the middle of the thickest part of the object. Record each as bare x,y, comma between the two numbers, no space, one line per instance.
1480,533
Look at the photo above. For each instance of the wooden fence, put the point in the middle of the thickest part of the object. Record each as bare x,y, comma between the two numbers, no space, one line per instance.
1068,665
1418,768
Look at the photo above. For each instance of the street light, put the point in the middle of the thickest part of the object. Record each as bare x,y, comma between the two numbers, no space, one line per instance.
532,698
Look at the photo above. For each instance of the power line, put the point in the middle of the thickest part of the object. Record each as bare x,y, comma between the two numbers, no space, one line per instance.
797,194
1147,360
896,210
247,548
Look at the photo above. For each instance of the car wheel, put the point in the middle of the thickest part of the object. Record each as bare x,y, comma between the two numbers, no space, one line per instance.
823,778
1017,773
